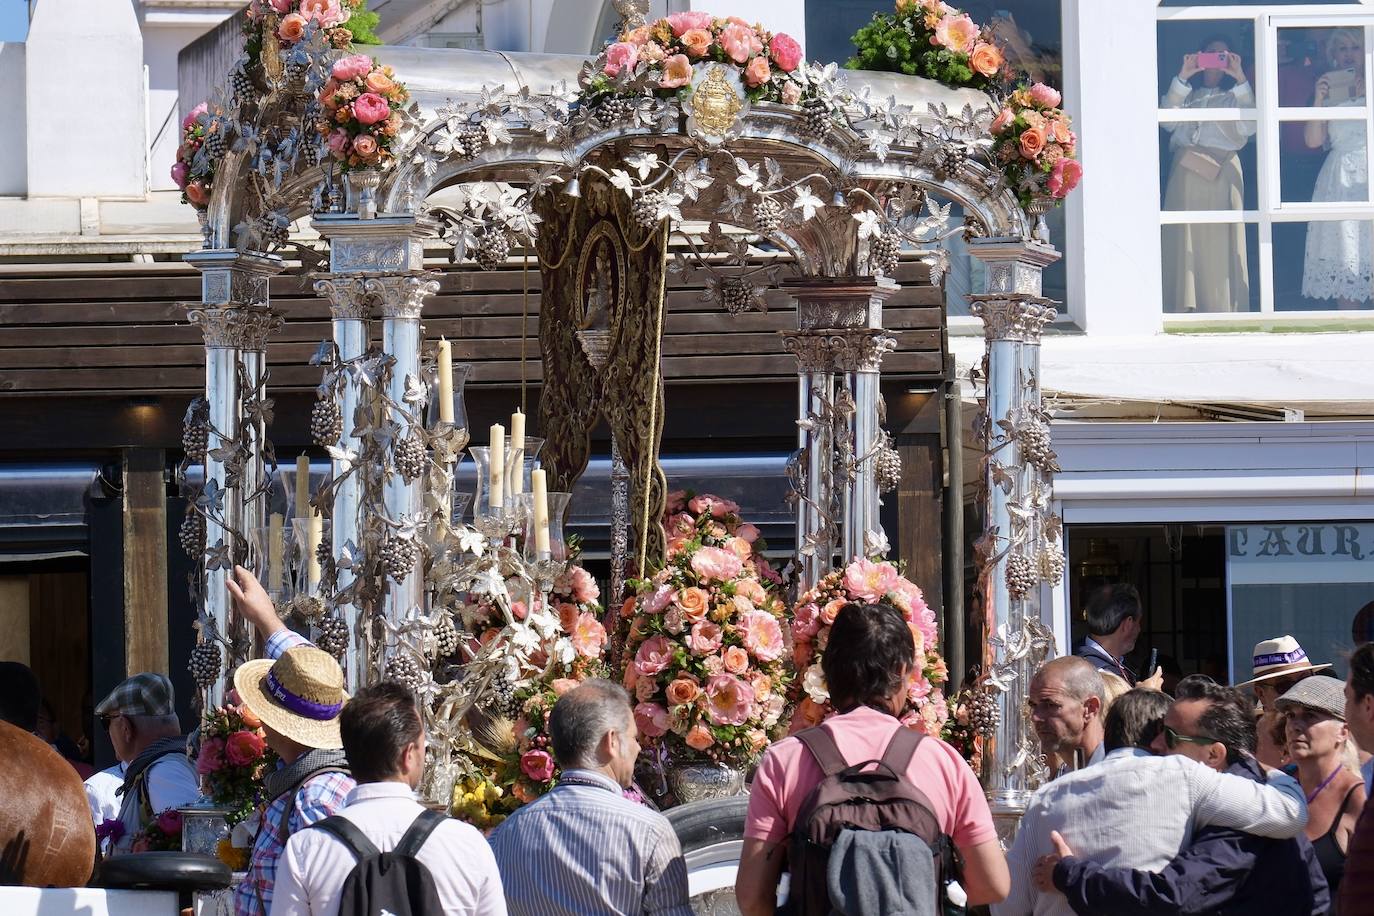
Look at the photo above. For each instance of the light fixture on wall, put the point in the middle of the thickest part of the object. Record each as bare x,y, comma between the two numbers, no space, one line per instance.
1102,562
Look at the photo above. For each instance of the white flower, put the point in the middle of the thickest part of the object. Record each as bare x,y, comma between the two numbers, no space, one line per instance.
813,682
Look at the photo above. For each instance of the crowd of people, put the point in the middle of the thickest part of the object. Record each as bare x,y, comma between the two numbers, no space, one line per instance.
1216,799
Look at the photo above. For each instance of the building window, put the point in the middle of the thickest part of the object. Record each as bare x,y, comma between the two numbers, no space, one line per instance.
1264,130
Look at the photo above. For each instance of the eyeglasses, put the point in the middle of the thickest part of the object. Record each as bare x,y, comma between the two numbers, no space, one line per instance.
106,720
1174,739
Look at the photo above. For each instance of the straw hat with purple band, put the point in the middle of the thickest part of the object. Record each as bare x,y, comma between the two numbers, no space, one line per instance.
1280,656
299,695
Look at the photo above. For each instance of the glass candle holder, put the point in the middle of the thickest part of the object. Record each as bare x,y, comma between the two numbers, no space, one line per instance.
519,464
495,521
558,509
285,496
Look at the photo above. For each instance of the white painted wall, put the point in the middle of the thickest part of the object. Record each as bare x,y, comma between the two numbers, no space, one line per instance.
84,63
14,138
161,44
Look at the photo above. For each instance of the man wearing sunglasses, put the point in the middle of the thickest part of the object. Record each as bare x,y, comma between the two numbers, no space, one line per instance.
1222,870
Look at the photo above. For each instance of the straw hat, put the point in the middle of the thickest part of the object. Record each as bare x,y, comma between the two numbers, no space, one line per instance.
1277,657
299,695
1321,692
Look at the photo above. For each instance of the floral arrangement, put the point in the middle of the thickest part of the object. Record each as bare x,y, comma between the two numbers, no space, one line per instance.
930,38
1035,145
233,759
362,112
705,650
961,730
111,830
866,581
192,172
161,834
344,23
659,57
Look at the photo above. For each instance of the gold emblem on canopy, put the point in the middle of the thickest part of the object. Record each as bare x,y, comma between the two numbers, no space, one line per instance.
716,102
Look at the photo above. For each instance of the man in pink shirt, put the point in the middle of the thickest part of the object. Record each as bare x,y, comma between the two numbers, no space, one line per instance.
866,663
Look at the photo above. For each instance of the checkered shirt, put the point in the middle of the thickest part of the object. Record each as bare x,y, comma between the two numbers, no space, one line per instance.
145,694
318,798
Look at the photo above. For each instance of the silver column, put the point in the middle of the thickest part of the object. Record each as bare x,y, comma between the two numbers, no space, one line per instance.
234,319
815,528
858,354
1014,316
348,311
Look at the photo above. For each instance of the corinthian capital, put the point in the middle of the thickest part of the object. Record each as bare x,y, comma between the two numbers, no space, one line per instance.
348,296
860,349
1013,316
811,348
236,328
402,295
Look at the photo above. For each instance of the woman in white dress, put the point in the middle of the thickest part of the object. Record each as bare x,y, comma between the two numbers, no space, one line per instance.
1205,264
1338,263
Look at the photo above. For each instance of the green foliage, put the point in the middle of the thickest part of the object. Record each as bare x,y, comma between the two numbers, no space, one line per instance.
363,25
901,44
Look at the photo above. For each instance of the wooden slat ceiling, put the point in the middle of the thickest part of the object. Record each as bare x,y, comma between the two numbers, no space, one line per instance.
121,330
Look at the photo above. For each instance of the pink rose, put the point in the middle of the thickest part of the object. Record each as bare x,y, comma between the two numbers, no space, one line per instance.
369,108
1032,142
682,23
697,42
785,51
651,719
292,27
562,685
658,599
714,506
179,173
588,636
244,748
328,13
537,765
715,564
736,660
699,738
832,610
677,71
1045,96
211,756
705,638
1065,177
351,67
957,33
807,621
169,822
747,531
683,690
739,546
762,636
729,700
281,6
365,146
654,655
791,95
338,143
869,581
584,587
193,114
1002,121
739,42
620,56
757,73
751,589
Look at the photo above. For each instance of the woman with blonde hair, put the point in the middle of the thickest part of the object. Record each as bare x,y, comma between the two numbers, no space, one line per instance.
1318,742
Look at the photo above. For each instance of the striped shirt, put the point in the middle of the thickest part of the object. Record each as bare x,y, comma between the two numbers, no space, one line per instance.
584,849
1135,810
318,798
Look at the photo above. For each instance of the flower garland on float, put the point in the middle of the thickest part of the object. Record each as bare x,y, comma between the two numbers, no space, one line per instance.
343,23
1035,145
194,169
233,759
705,650
865,582
362,112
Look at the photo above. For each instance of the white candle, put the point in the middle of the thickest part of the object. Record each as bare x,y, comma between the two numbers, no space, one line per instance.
275,551
445,381
496,472
313,539
539,490
517,445
303,486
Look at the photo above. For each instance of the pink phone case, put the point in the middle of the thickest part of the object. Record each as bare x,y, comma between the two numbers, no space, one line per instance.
1212,60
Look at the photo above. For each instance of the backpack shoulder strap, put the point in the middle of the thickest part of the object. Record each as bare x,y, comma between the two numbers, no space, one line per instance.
284,828
346,832
821,744
901,749
418,832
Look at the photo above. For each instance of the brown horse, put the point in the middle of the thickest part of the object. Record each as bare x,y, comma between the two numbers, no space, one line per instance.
47,837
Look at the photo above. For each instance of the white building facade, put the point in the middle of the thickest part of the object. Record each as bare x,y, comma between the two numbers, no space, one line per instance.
1211,362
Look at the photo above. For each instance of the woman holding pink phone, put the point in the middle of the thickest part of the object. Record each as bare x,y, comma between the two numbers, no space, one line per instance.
1205,264
1338,262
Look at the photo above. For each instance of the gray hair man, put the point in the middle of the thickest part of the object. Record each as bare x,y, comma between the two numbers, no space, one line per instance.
140,715
1067,702
584,847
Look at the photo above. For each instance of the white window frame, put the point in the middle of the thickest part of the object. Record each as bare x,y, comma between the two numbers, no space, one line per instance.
1267,20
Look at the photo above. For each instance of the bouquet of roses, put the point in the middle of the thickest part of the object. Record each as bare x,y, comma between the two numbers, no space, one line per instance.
362,112
930,38
233,760
195,174
705,651
343,22
658,59
161,834
866,582
1035,146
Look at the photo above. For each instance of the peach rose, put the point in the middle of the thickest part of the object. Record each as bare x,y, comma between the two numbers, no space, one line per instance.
683,690
636,36
832,610
365,146
736,660
986,59
699,738
379,82
791,95
292,27
1002,121
677,71
757,73
562,685
739,42
1032,142
1059,131
697,42
740,547
957,33
693,602
729,700
705,638
197,193
751,589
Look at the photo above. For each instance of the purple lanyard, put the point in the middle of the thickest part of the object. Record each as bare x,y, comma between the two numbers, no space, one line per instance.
1325,782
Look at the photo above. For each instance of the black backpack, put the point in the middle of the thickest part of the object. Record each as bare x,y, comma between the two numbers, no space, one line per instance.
392,882
875,798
